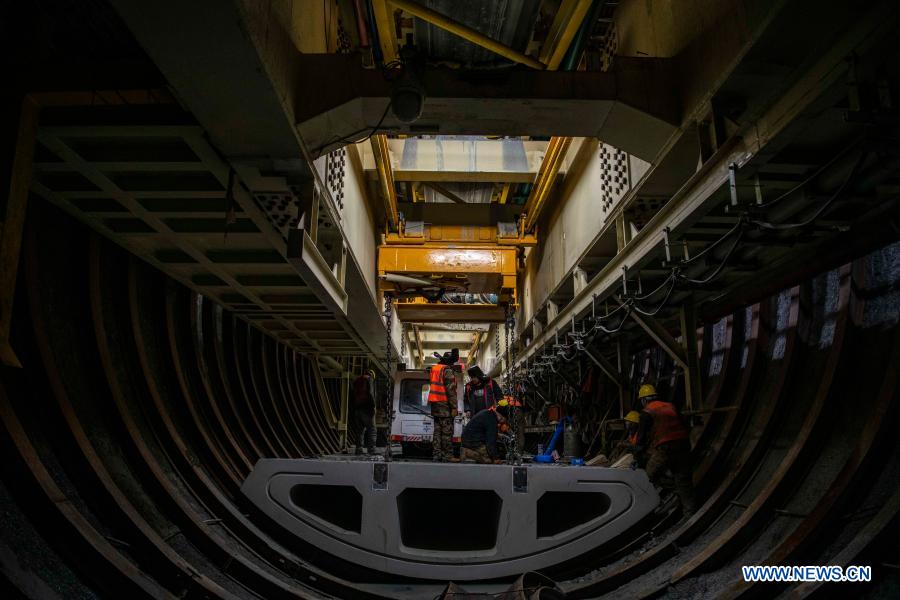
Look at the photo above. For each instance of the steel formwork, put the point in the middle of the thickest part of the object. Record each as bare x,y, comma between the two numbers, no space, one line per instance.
392,517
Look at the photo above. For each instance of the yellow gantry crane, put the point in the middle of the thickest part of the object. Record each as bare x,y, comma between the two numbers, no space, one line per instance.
427,265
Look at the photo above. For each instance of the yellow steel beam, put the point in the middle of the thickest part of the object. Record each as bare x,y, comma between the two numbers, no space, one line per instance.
466,32
387,31
473,351
486,259
565,25
385,178
543,184
504,195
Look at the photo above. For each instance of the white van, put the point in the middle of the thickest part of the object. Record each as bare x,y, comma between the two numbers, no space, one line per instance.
413,425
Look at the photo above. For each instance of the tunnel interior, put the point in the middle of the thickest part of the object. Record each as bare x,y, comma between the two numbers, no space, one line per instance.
214,221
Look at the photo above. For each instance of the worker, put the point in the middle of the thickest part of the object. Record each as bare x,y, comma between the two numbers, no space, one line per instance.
664,436
442,400
629,444
363,395
481,392
479,437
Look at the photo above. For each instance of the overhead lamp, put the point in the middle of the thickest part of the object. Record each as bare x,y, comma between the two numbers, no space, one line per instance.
408,93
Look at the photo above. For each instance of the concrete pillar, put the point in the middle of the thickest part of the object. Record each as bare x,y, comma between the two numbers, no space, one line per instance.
552,310
692,390
580,279
623,231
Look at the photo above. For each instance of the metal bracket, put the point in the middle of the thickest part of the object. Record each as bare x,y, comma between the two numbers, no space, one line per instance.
380,476
662,337
520,480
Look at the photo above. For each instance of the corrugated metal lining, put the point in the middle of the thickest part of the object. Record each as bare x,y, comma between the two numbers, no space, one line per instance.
508,21
513,153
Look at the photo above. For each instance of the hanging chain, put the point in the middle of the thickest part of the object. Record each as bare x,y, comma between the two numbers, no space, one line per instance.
389,322
497,354
507,380
403,343
514,376
513,457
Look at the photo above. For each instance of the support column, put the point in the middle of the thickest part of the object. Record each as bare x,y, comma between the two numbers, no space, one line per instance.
692,388
345,405
14,222
625,389
309,211
552,310
623,231
580,279
536,327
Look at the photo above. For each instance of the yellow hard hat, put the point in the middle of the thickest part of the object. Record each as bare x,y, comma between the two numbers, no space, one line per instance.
646,390
503,402
633,417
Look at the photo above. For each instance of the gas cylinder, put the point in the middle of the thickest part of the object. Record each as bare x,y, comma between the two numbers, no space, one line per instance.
571,442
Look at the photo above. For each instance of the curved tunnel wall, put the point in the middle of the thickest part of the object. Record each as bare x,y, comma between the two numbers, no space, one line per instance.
142,407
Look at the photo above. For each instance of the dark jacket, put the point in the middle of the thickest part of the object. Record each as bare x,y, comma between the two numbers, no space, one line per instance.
481,430
479,397
363,394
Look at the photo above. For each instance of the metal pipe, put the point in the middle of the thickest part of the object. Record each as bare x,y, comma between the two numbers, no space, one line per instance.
466,32
361,24
573,54
556,151
382,156
567,25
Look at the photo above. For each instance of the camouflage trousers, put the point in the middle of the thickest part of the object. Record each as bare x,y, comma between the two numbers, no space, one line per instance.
675,457
442,435
479,454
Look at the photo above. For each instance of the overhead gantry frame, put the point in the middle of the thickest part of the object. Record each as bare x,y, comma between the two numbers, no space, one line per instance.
467,254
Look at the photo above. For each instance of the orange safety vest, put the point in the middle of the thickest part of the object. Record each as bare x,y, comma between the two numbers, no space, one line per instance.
632,439
667,423
436,390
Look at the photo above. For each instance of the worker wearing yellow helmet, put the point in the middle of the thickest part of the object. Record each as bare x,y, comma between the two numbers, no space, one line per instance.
627,445
663,434
632,421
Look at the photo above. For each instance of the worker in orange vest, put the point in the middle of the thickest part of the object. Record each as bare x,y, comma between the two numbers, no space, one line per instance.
664,436
442,400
